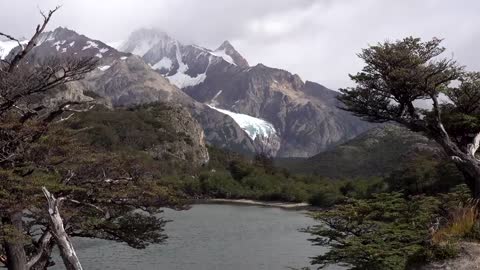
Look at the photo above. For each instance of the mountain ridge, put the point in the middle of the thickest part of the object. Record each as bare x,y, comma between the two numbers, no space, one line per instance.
293,117
123,79
305,123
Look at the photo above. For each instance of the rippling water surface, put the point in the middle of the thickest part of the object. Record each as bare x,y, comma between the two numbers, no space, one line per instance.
211,237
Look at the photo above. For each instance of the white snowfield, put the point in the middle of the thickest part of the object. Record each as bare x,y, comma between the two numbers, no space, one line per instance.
7,46
181,79
251,125
164,63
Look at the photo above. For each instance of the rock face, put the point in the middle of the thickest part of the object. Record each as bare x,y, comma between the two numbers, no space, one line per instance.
228,50
304,114
123,79
65,42
189,139
242,108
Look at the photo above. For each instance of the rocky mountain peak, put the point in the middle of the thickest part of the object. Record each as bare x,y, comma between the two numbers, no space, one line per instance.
296,119
229,50
63,41
143,40
226,45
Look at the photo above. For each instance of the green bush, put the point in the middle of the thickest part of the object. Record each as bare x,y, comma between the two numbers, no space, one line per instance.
220,185
388,231
326,198
239,170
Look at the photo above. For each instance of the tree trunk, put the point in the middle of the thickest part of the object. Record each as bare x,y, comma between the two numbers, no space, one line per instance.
67,252
470,169
14,248
41,260
44,261
465,160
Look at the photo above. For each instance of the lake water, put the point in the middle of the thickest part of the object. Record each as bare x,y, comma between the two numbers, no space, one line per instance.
213,237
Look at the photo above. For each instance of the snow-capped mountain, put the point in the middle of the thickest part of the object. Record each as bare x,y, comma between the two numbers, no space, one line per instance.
66,41
253,107
228,52
183,65
304,115
186,66
123,79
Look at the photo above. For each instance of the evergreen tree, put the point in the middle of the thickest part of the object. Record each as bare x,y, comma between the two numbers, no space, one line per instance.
398,75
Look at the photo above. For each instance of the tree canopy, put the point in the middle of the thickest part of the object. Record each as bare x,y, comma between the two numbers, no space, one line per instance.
407,82
55,186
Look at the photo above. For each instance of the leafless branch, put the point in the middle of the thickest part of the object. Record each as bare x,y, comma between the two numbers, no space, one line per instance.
44,242
12,39
33,40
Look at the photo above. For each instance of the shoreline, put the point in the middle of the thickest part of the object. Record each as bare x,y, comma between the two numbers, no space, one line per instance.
282,205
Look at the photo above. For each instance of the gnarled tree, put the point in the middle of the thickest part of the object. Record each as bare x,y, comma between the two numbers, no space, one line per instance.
45,171
399,76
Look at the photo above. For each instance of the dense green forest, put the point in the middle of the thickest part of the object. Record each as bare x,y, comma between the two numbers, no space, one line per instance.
233,176
405,202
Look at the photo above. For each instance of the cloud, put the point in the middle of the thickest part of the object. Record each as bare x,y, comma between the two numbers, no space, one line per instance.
317,39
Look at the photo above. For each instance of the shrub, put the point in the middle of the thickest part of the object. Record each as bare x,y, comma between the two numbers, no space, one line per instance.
325,198
461,217
461,222
220,185
388,231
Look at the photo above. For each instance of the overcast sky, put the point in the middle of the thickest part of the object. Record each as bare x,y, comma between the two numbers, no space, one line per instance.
318,39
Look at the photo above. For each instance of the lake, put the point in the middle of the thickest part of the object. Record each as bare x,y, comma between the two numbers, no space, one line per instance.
211,237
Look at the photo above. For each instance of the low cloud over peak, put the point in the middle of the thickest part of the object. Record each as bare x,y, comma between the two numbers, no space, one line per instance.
316,39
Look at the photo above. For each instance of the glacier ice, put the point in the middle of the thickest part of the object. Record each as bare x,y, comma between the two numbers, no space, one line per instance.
251,125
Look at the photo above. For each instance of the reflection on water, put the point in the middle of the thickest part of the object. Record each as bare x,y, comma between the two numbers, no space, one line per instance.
211,237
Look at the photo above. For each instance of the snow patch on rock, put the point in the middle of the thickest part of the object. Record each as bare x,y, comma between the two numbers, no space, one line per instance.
164,63
57,44
103,68
90,44
181,79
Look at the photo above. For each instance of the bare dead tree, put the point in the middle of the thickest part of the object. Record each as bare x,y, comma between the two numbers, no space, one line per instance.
64,243
31,43
25,115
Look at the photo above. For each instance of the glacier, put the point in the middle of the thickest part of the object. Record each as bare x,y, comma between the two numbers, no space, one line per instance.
254,127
